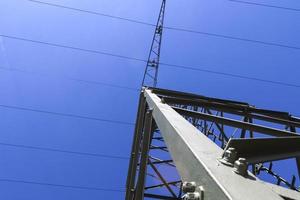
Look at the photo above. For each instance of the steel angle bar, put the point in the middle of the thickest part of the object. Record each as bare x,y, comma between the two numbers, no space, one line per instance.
175,183
162,178
260,150
219,127
233,109
196,158
162,162
156,196
236,123
139,193
176,94
192,98
134,158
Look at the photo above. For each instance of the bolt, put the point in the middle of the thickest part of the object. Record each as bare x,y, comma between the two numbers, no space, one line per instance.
192,196
229,156
188,187
241,166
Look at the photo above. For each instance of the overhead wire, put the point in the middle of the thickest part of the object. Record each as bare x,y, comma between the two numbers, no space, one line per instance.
231,75
72,47
65,114
61,185
264,5
62,151
169,27
184,67
69,78
92,12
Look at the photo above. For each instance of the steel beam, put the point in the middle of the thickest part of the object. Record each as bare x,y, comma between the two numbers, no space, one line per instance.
166,92
236,123
156,196
162,185
162,179
260,150
133,163
139,193
175,97
196,158
236,110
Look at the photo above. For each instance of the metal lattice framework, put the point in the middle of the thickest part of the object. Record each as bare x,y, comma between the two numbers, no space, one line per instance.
204,140
151,70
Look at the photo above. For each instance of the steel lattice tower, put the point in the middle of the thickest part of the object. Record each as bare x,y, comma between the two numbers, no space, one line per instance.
220,148
192,147
151,70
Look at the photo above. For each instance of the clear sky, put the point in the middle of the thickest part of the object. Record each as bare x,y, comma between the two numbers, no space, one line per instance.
49,87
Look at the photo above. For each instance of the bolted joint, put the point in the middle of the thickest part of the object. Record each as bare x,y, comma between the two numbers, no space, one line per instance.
241,167
159,29
229,156
192,191
192,196
189,187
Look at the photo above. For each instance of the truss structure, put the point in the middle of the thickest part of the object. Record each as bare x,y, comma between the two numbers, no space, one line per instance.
151,70
219,148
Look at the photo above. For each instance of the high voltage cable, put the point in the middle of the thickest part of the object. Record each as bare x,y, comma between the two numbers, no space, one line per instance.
265,5
168,27
92,12
235,38
185,67
63,151
61,185
65,114
231,75
36,148
70,78
73,48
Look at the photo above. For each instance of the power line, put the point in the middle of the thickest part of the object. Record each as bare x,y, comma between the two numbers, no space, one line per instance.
92,12
72,48
63,151
234,38
66,115
61,185
265,5
231,75
169,27
184,67
70,79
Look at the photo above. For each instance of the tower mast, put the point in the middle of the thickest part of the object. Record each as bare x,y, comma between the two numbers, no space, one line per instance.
151,70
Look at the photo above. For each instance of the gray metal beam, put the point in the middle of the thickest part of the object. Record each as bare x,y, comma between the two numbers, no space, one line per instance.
192,99
166,92
132,169
156,196
139,193
178,98
162,179
196,158
260,150
236,123
233,109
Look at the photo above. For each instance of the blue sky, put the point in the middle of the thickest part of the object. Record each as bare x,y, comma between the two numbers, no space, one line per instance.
48,89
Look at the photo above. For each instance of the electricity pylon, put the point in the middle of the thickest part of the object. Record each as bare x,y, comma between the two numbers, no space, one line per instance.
221,149
151,70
